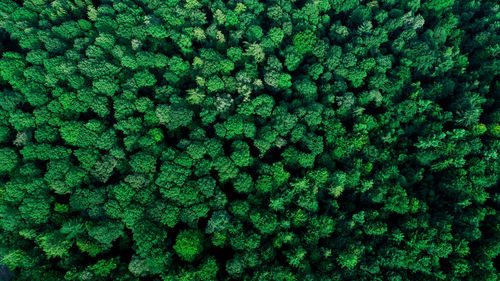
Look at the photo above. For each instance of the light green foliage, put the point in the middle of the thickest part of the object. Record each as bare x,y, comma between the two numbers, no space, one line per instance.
214,84
307,89
263,105
143,163
276,35
348,260
293,58
189,244
305,41
76,134
344,5
144,79
106,86
105,41
241,154
254,33
438,6
173,116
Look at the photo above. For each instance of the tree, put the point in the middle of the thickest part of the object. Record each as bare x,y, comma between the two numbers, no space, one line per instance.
218,222
293,58
144,79
304,41
307,90
263,105
249,140
214,84
189,244
143,163
241,154
8,159
173,116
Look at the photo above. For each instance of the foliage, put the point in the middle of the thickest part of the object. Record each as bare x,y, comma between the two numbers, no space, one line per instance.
249,140
189,244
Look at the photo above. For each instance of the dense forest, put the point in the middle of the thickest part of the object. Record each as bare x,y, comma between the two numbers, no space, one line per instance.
277,140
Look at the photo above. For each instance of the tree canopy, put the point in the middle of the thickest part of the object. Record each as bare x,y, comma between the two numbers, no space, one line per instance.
297,140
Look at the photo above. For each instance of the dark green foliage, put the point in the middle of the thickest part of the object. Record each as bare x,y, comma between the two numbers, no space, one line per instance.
8,159
314,140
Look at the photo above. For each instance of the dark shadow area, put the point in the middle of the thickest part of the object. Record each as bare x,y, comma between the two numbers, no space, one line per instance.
299,4
373,110
273,155
8,44
122,247
5,274
62,199
97,3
